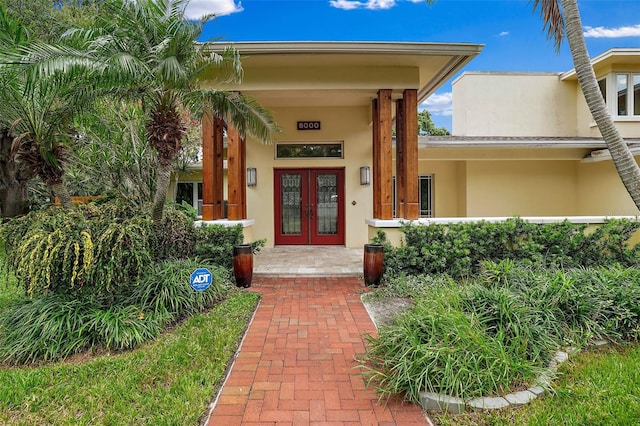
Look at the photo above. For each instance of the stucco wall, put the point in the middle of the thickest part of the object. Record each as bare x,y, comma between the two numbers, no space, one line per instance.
347,124
510,104
445,185
523,188
600,191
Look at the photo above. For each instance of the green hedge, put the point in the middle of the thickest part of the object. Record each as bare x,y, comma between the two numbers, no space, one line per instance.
458,249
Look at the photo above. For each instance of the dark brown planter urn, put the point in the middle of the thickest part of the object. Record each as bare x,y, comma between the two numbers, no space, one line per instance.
243,264
373,263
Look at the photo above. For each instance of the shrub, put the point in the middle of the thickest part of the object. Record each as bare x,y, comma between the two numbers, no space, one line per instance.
214,243
482,335
438,347
166,290
54,326
459,249
175,236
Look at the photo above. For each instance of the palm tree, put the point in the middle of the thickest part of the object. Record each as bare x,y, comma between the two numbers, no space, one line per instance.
147,50
36,115
39,110
560,16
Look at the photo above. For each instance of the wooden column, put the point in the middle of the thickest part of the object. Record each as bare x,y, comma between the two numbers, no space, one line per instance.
212,168
382,162
243,167
401,176
235,174
409,165
376,158
207,168
218,169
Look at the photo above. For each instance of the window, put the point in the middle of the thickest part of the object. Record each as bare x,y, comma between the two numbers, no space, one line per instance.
309,150
425,195
602,84
628,95
425,201
190,193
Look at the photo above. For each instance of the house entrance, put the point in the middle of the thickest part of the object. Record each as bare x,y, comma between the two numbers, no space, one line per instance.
309,207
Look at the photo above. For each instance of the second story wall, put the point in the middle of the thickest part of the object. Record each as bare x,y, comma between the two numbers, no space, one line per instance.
514,104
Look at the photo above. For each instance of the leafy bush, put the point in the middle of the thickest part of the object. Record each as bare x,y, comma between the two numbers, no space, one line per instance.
483,335
53,326
214,243
166,291
438,347
175,235
58,251
459,249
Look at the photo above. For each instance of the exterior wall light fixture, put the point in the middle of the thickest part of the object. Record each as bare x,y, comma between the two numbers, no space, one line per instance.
365,175
252,176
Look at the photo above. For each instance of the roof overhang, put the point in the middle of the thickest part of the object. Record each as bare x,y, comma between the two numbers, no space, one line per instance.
345,73
513,147
609,60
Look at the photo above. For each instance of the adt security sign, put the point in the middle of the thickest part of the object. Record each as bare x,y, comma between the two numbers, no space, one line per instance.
201,279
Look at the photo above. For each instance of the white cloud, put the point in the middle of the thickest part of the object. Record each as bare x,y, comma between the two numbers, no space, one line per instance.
196,9
368,4
602,32
439,104
504,33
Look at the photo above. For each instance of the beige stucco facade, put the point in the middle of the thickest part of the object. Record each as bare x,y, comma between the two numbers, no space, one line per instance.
523,143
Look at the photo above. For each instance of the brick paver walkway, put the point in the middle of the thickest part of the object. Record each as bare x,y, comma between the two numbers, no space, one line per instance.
295,366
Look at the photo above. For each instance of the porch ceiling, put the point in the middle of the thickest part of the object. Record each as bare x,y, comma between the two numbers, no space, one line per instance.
344,73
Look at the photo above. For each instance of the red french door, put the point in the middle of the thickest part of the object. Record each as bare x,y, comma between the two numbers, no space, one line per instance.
309,206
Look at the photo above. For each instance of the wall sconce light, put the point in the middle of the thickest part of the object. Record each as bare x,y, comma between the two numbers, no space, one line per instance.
365,175
252,176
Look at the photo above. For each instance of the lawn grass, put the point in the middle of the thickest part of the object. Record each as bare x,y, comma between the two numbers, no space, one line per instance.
169,381
594,388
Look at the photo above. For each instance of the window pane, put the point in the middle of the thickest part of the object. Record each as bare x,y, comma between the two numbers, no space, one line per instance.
317,150
199,198
184,193
636,94
327,202
621,88
426,195
291,201
602,84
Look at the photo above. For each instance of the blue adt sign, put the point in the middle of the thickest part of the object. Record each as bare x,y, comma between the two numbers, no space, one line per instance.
201,279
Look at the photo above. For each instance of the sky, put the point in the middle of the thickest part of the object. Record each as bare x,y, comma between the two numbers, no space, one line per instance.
512,34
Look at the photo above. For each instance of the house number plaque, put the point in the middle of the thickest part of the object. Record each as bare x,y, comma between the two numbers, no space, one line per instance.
308,125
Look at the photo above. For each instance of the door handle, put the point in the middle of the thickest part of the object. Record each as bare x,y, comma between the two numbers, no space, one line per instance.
311,212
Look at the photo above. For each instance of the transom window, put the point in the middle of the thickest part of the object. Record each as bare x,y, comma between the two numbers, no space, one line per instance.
309,150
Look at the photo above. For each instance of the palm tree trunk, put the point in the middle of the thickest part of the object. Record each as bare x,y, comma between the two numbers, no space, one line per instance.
622,158
60,190
13,180
162,186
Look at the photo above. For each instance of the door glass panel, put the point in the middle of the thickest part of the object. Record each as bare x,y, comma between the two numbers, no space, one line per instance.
291,203
327,202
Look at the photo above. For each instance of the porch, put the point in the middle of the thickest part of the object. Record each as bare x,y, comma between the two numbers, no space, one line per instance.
292,261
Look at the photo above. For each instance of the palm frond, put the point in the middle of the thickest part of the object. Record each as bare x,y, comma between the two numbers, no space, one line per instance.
553,21
241,111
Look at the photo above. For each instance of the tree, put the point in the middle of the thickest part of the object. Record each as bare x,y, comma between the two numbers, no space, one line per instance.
147,50
13,177
427,127
39,111
560,16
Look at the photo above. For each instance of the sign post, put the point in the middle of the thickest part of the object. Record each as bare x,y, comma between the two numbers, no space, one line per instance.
201,279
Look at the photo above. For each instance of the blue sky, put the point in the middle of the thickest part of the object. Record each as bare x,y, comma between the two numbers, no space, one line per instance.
511,32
